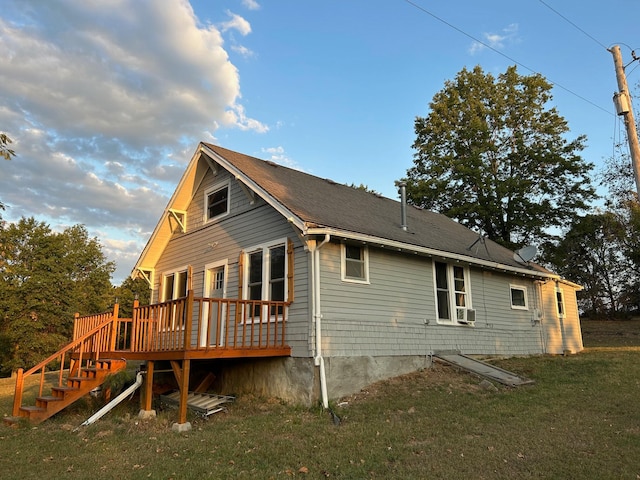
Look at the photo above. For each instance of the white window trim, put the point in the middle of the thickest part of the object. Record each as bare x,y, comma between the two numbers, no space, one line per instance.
162,293
451,291
172,272
210,266
562,314
343,265
206,294
264,247
526,297
213,189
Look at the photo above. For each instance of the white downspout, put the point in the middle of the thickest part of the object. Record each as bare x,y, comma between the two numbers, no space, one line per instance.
317,317
109,406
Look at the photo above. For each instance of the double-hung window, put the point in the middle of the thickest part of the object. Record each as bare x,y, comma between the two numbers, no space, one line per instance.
216,201
174,287
354,262
265,274
453,301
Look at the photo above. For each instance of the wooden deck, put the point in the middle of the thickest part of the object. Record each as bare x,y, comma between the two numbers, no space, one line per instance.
194,328
181,330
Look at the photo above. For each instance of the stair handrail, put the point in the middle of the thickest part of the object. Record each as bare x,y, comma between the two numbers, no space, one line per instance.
79,342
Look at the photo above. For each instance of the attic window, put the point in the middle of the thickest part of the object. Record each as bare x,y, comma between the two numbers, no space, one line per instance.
216,201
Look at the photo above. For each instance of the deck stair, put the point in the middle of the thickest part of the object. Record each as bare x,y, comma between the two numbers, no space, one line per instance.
84,381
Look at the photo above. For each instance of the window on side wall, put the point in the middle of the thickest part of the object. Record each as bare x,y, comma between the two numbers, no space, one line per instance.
453,300
354,263
560,303
265,274
216,202
175,285
519,297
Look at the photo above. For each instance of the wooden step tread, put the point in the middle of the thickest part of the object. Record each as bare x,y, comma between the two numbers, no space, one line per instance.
32,408
64,389
48,398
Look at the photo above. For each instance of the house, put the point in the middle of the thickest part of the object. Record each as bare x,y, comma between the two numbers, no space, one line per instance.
367,287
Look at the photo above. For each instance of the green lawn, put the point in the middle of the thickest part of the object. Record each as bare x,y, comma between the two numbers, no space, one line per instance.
580,419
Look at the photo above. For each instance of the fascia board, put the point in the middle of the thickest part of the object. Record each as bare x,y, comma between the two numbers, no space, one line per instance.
163,222
407,247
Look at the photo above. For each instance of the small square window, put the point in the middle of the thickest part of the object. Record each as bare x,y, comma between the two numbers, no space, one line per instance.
519,297
355,263
216,202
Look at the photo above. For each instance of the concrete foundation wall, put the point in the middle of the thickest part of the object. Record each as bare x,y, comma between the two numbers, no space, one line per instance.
297,380
348,375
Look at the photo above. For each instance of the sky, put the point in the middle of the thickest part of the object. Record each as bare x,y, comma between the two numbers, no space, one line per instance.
107,100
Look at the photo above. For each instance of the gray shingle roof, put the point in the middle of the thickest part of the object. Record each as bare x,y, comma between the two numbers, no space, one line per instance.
324,203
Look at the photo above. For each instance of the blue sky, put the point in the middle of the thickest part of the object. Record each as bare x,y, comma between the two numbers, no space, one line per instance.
107,100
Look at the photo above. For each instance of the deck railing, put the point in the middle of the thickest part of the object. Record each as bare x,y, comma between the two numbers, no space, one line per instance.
87,345
181,325
192,323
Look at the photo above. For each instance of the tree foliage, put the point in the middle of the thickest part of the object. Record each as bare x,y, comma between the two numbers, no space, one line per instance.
592,253
129,291
6,153
492,156
45,277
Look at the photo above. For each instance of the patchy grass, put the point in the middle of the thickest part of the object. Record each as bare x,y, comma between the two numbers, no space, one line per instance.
611,333
579,420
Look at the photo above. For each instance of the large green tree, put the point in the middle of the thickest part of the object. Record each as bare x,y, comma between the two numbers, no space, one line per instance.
45,277
493,156
592,253
622,202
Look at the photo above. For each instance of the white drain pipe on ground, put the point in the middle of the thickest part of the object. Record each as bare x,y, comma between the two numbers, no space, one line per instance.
110,406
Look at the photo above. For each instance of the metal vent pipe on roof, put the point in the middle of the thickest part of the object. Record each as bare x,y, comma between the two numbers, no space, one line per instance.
403,205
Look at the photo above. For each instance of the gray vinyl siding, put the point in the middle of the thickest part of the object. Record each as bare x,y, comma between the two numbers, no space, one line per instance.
396,313
245,226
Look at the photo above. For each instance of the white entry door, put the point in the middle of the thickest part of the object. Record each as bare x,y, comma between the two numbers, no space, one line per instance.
214,287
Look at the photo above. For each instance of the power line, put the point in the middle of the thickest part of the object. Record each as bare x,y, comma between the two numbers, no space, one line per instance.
424,10
570,22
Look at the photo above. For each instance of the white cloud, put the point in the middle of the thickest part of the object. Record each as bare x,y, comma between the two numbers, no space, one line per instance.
236,23
251,4
105,101
277,155
497,41
243,51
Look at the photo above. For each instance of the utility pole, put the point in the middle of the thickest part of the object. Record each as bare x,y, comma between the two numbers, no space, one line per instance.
622,100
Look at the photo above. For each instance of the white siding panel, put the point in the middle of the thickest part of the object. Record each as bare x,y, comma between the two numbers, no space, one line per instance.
396,314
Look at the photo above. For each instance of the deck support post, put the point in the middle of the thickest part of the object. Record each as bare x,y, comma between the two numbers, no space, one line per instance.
183,381
146,411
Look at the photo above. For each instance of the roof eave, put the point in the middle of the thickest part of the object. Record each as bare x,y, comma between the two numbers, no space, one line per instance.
431,252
